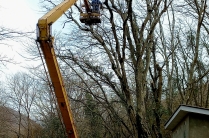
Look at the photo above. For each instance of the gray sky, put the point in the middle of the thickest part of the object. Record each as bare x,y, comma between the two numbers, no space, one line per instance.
19,15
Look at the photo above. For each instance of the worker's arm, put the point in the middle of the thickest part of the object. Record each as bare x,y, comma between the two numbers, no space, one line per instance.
101,6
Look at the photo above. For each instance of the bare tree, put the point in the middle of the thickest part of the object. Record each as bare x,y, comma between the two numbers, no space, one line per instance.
8,35
138,65
21,91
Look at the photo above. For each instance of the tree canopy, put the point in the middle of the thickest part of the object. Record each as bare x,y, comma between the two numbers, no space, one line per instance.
126,76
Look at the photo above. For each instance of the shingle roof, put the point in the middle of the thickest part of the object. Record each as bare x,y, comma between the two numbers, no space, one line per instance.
181,112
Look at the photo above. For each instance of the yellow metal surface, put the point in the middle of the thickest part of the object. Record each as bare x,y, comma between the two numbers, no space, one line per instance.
50,17
89,14
46,43
60,92
90,18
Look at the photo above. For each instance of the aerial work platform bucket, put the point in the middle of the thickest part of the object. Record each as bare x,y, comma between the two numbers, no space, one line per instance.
90,18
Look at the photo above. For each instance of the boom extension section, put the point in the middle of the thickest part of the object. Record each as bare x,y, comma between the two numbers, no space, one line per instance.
45,40
45,22
46,43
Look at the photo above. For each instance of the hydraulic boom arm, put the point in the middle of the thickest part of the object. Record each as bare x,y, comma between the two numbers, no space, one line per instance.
46,43
49,18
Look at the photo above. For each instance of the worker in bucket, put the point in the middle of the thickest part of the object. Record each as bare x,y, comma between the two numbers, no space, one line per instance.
96,5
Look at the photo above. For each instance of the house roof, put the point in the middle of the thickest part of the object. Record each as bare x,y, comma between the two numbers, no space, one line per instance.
181,112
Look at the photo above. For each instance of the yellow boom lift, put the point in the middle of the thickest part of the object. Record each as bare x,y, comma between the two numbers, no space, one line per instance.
45,40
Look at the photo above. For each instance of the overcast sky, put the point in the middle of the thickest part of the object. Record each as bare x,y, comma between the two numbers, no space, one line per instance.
19,15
